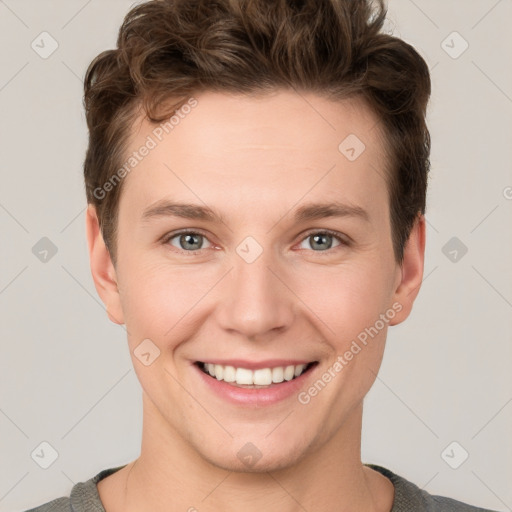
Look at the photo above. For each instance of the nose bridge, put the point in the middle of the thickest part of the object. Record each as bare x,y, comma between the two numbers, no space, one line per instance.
256,301
253,278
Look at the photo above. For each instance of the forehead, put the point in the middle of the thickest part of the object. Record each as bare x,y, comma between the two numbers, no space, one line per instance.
263,151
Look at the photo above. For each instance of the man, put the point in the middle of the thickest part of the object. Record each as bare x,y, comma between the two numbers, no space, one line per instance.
256,179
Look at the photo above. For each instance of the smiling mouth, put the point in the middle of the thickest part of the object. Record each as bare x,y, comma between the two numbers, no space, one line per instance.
260,378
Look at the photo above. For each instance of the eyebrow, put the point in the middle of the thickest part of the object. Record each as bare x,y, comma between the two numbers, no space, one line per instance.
309,211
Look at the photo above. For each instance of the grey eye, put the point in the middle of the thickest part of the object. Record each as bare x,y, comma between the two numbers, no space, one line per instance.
320,241
189,241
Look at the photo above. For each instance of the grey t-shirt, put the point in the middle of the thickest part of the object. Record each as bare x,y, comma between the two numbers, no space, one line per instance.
408,497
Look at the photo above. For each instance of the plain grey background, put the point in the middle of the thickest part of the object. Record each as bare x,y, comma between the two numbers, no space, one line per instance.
66,376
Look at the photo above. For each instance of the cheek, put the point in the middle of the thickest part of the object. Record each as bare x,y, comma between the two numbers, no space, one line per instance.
345,299
158,298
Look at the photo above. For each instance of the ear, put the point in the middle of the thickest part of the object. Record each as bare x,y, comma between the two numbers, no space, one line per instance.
102,268
412,271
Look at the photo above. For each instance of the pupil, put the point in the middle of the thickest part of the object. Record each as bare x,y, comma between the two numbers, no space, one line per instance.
319,239
186,239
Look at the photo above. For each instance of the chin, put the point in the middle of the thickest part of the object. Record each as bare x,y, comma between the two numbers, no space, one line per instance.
255,454
265,464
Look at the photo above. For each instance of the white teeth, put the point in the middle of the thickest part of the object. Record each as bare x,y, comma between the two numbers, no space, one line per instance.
277,374
289,372
263,377
260,377
298,369
244,376
219,372
229,374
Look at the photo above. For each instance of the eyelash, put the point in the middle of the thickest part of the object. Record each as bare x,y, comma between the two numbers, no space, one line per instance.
343,242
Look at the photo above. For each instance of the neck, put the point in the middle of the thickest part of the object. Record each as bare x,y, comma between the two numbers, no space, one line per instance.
171,473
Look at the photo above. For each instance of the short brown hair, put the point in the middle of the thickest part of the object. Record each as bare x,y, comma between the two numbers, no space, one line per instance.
171,49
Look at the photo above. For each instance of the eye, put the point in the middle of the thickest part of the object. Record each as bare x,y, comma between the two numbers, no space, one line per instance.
323,240
192,242
186,241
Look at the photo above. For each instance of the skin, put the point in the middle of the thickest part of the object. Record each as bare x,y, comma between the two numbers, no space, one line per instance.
255,160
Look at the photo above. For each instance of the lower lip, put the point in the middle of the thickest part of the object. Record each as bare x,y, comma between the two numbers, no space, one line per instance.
255,396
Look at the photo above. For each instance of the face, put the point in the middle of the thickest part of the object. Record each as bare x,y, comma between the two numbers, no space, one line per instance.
273,278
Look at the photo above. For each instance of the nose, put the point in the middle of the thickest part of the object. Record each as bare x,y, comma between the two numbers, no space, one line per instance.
255,301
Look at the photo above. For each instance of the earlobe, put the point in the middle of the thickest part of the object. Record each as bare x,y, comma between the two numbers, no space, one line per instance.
102,269
411,270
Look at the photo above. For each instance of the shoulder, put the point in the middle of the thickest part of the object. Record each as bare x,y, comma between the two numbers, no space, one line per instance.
410,498
84,496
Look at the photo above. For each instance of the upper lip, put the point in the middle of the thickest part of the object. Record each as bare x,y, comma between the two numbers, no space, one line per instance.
255,365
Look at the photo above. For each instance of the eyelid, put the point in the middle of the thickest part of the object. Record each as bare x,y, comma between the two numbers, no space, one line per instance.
343,239
169,236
